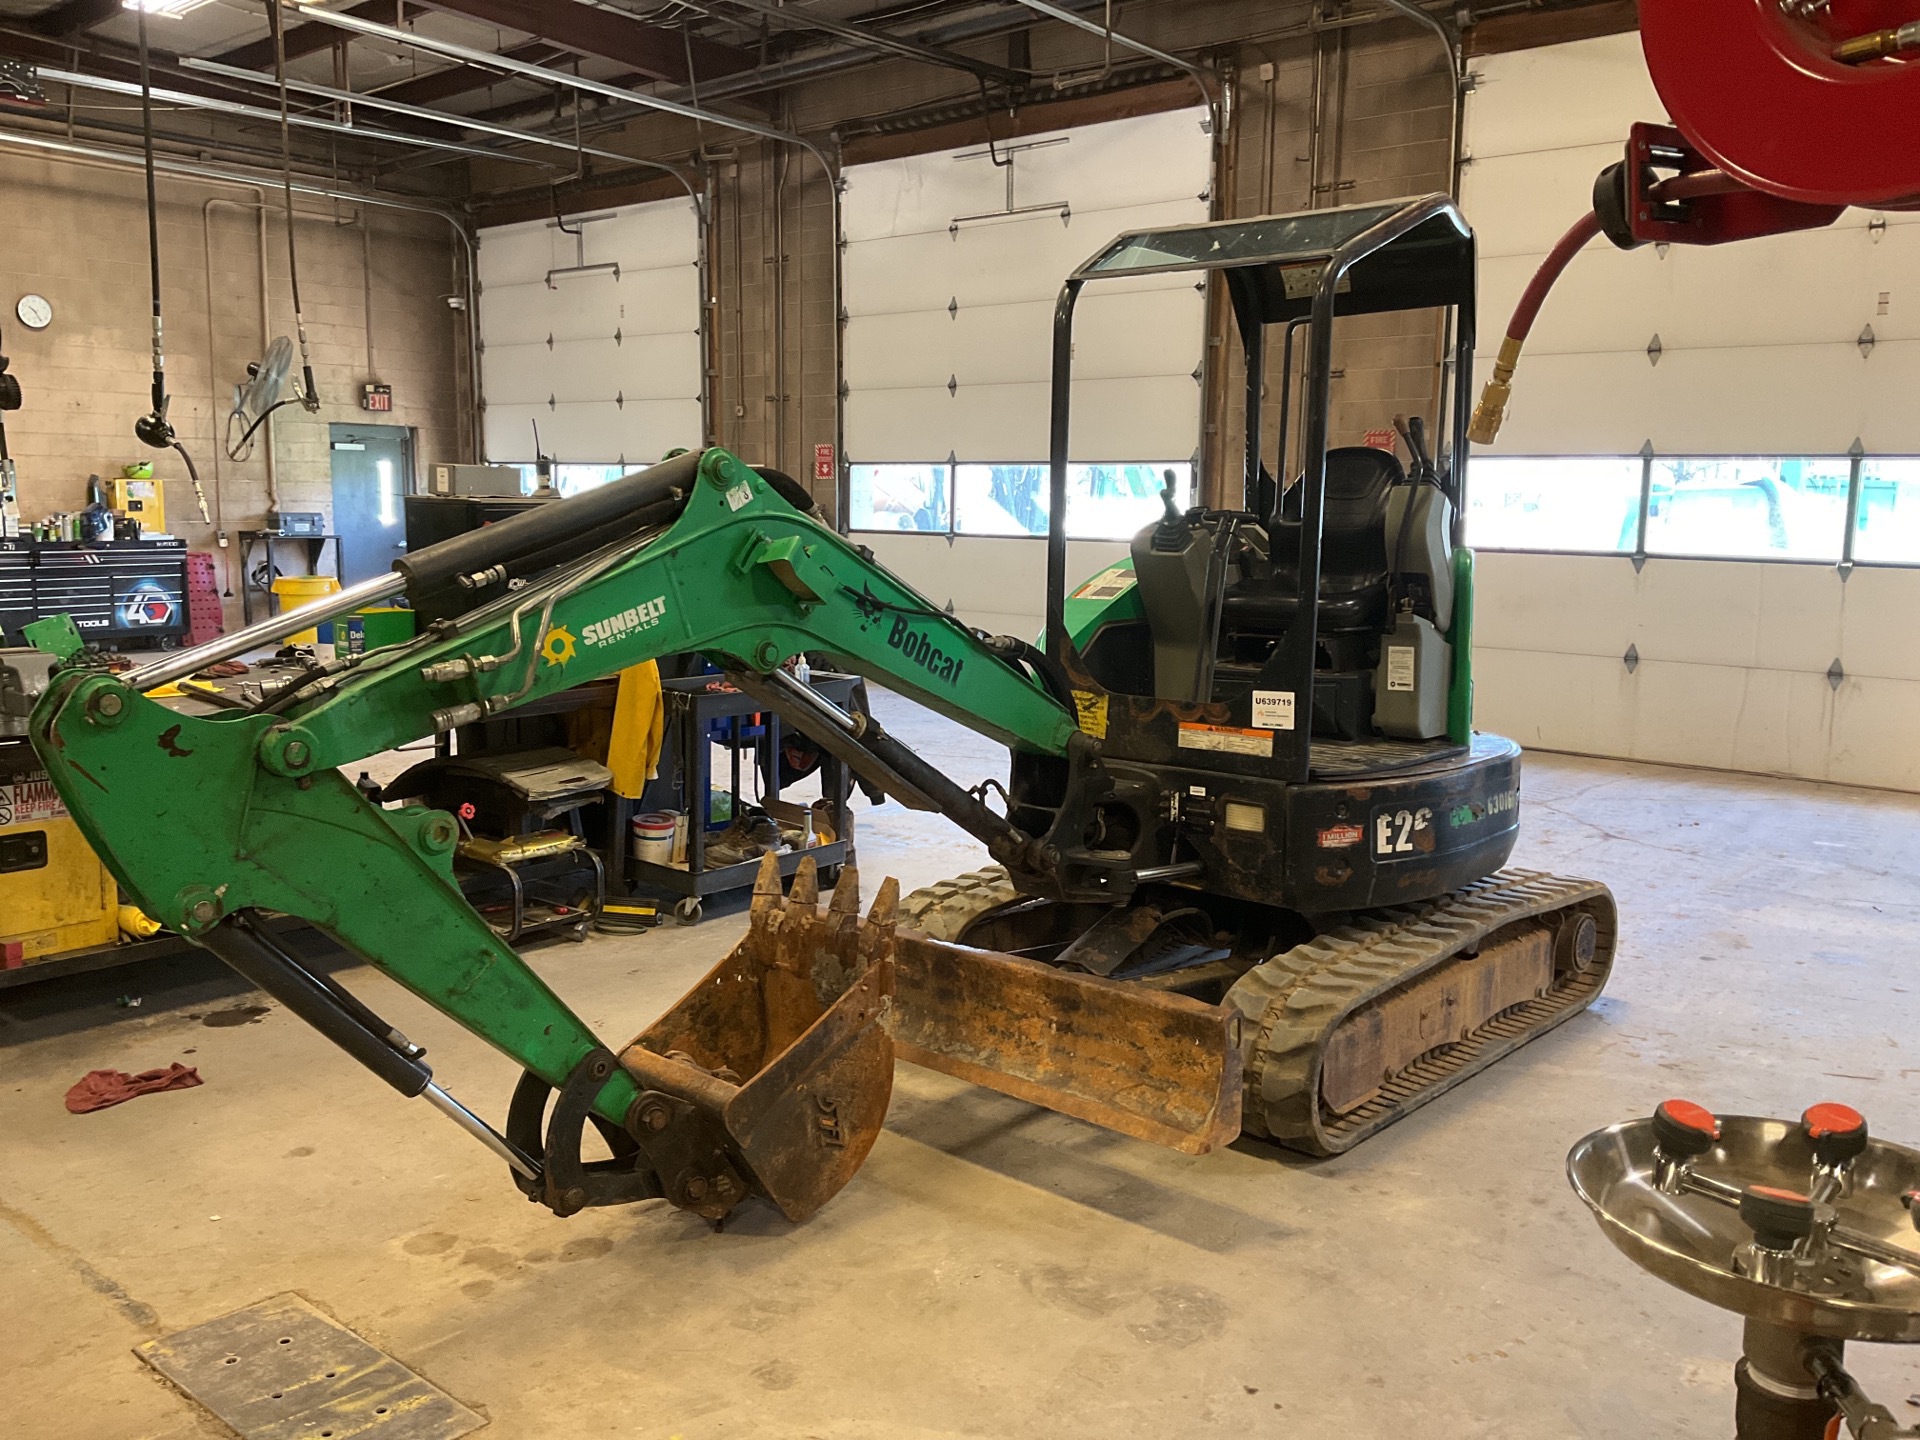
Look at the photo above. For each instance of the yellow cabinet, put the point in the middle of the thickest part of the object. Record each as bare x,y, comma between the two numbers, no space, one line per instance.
55,895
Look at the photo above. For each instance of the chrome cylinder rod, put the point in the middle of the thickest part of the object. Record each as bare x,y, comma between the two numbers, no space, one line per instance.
480,1130
181,663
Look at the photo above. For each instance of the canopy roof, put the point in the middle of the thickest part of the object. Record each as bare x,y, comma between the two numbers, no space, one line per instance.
1398,255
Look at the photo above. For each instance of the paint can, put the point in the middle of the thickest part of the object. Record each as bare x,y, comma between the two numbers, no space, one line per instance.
653,836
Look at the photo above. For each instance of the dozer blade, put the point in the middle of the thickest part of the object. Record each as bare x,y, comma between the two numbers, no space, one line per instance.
775,1071
1148,1063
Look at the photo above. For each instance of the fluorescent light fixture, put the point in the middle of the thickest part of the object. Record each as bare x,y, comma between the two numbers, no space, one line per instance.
172,9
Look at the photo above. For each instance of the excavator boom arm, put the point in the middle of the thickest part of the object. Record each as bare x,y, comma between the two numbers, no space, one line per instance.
210,820
737,574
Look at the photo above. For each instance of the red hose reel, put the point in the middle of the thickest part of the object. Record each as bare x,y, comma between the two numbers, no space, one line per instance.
1810,101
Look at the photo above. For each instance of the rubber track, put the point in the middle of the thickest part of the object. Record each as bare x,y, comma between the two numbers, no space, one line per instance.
944,909
1297,1000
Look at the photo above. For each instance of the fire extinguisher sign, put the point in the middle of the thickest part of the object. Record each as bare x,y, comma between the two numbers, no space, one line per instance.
823,468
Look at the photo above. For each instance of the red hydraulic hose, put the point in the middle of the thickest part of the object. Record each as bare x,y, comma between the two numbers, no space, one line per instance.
1696,185
1492,408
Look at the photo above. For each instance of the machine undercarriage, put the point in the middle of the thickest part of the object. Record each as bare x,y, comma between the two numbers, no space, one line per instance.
1217,1021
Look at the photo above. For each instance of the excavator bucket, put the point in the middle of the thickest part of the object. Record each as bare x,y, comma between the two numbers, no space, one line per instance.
779,1058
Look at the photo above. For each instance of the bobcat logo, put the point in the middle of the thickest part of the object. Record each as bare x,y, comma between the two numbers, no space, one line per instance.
871,607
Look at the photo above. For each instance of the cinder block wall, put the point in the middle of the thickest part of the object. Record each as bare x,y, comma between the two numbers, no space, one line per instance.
77,235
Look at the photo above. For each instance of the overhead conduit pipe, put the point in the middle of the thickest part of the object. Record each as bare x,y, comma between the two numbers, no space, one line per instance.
1200,75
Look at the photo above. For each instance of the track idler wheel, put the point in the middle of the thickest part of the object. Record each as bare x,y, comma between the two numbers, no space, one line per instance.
1576,942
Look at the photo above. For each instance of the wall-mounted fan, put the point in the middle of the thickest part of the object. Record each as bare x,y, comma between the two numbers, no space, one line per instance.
266,390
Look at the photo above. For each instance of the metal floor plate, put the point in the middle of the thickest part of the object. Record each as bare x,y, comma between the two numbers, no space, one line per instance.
281,1370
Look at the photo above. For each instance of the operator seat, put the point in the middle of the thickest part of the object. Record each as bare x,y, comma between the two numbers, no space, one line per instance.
1353,559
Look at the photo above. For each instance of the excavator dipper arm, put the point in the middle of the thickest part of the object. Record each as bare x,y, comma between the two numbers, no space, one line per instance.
208,821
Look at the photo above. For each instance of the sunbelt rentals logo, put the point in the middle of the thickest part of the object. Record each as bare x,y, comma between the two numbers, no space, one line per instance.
641,617
557,648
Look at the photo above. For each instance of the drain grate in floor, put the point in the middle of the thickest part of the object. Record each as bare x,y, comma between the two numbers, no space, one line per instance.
281,1370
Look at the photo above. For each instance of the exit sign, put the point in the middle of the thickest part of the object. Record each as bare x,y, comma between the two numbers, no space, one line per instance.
823,462
376,397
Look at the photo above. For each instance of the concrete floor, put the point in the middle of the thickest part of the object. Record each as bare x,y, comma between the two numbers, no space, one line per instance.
995,1270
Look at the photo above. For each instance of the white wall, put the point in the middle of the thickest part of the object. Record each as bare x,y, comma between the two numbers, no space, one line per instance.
1758,357
607,364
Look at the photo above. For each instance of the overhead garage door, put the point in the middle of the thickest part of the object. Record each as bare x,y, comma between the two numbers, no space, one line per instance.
1758,342
592,333
953,263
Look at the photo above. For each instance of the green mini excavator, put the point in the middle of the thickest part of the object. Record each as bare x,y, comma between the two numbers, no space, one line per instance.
1247,873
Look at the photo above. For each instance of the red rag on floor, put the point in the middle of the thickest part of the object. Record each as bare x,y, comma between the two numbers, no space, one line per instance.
98,1089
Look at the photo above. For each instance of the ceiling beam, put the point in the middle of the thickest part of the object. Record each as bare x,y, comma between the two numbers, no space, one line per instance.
303,39
1551,26
657,53
874,39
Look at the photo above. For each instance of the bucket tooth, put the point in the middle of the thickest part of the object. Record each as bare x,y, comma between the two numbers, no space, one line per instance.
846,892
877,935
806,884
886,905
767,893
